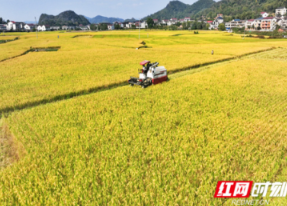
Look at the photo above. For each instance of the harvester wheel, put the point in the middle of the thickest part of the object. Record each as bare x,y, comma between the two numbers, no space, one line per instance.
131,85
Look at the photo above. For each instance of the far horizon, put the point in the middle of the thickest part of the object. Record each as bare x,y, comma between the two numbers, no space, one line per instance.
125,9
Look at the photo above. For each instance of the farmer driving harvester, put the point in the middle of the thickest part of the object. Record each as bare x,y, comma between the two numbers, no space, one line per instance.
149,74
146,67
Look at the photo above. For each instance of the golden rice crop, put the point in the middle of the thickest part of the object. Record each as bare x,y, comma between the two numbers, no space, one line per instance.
83,64
166,145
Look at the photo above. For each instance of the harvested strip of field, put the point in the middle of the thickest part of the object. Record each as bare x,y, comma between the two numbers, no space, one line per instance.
159,146
10,150
83,36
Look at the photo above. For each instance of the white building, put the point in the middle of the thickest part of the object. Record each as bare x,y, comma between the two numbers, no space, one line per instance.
181,20
111,27
66,27
41,28
11,26
186,19
3,27
257,23
29,27
249,24
164,21
216,22
264,14
283,23
15,26
143,25
281,10
55,27
268,24
172,21
235,23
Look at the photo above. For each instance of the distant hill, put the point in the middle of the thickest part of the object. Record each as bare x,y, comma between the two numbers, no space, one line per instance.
131,20
69,18
243,9
100,19
177,9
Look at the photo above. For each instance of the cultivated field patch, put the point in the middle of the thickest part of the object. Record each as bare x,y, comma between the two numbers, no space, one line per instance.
166,145
88,64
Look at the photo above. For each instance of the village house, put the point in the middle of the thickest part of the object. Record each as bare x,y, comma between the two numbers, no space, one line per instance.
29,27
219,16
235,23
131,24
264,14
257,23
3,27
15,26
216,22
125,24
186,19
55,28
144,25
172,21
283,23
181,20
111,27
164,21
41,28
137,24
282,11
268,24
249,24
209,22
66,27
84,28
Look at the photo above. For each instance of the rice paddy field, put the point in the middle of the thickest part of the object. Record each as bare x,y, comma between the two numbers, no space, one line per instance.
104,59
166,145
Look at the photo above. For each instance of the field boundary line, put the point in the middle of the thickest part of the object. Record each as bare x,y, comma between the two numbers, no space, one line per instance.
22,54
8,40
5,111
31,50
218,61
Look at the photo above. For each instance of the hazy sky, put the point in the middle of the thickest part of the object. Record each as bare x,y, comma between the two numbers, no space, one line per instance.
27,10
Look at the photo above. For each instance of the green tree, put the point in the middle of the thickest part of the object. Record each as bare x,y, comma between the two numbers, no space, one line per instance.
199,25
150,22
93,27
117,27
104,27
194,25
221,27
173,27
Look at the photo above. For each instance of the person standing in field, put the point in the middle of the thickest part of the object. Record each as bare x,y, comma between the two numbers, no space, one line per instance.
212,52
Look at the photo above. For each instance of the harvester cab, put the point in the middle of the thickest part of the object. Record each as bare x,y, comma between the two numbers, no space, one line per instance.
149,74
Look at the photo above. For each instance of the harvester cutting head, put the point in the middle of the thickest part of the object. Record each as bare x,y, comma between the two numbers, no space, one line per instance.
149,74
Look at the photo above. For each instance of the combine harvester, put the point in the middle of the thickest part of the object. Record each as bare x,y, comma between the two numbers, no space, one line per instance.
149,74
